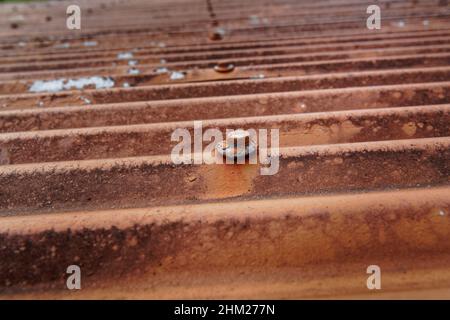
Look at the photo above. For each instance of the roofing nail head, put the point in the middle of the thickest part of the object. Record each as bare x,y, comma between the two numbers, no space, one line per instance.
231,148
217,34
224,67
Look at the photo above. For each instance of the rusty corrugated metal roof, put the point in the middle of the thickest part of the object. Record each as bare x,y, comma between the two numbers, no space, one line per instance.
86,118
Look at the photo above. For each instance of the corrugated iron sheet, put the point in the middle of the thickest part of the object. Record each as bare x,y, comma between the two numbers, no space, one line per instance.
86,177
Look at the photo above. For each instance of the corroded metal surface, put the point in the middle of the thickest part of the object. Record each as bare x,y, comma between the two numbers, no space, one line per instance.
86,175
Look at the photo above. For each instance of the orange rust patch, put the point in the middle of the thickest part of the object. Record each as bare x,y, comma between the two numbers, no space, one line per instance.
227,180
410,128
320,134
4,156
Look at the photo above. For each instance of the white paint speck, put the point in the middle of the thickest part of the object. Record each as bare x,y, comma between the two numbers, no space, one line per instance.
258,76
162,61
21,44
63,84
125,55
126,85
90,43
161,45
221,31
17,18
426,22
175,75
161,70
65,45
132,62
133,71
85,100
441,213
254,20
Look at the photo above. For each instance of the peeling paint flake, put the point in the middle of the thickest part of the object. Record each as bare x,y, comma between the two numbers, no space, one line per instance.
63,84
175,75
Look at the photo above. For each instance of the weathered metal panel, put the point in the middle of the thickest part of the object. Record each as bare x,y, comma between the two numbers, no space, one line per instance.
87,178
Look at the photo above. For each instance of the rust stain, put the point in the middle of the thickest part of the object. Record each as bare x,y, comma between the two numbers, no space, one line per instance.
4,157
225,181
